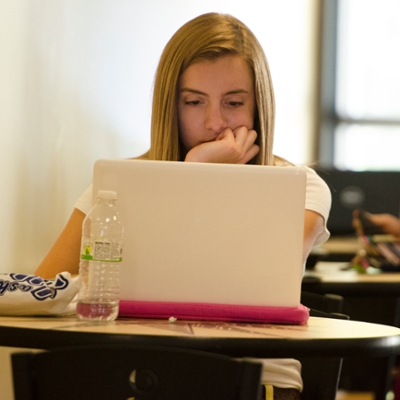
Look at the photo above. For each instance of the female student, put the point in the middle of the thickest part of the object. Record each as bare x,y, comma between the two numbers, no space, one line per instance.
213,102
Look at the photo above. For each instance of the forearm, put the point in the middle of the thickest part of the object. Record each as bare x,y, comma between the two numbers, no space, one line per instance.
64,254
313,226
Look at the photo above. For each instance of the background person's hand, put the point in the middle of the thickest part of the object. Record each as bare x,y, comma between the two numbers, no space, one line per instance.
368,223
388,222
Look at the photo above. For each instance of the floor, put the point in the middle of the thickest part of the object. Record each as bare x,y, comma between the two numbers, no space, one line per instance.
354,396
341,395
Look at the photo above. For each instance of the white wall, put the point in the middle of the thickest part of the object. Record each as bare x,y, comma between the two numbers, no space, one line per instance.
75,86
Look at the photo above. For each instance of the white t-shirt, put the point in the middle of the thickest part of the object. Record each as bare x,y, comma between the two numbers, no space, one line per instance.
279,372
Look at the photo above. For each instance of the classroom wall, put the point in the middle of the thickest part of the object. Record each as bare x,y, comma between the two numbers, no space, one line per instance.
75,86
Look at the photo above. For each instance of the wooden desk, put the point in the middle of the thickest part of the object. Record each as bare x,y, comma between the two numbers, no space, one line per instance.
320,337
372,298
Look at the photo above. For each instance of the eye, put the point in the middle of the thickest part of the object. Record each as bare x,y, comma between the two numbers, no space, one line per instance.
235,103
192,103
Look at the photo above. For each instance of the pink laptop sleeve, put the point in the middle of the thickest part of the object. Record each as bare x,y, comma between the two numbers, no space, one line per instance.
214,312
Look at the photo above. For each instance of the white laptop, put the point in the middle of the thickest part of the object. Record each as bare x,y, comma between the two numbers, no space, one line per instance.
208,233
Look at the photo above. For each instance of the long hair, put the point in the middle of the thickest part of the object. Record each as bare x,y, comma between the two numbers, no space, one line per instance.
209,37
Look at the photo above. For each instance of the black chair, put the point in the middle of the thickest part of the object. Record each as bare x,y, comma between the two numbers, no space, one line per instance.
321,375
323,305
133,372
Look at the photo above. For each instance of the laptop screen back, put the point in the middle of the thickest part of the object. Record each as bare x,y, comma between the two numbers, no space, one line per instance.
210,233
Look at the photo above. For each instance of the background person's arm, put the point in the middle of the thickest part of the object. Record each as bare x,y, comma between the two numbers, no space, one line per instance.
388,222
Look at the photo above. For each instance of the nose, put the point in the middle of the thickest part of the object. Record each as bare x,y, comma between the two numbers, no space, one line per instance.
215,119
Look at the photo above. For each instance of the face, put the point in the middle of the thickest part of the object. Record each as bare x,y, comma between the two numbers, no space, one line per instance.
213,96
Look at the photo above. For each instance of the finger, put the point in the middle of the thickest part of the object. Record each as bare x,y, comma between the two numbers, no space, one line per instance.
250,154
241,134
250,140
227,133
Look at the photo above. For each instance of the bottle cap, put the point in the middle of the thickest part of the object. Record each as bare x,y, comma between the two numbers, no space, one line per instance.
107,194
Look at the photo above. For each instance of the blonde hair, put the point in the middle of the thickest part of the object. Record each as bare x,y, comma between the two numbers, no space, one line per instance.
209,37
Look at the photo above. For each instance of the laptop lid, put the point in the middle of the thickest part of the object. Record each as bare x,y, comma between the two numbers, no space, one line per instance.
208,233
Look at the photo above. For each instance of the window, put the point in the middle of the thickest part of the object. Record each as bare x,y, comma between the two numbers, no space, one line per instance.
360,85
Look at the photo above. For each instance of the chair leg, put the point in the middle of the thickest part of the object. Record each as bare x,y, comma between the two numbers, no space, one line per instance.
22,381
320,378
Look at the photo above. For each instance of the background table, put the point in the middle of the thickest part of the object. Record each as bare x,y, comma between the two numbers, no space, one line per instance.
367,297
336,248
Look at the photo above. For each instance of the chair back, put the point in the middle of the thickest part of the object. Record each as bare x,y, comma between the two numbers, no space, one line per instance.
133,372
321,375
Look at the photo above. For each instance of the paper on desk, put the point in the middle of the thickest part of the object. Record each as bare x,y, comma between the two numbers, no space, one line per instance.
22,294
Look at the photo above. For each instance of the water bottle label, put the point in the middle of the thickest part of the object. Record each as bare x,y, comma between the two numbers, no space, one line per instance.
102,251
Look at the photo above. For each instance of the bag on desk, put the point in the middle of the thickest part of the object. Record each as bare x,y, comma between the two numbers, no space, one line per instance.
22,294
379,250
383,252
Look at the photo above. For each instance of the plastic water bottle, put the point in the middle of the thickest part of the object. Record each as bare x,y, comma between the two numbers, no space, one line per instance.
101,255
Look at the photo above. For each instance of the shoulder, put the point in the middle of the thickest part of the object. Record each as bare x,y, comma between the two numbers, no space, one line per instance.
311,174
145,156
317,189
314,182
84,202
281,162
